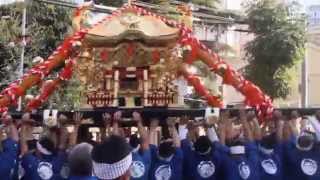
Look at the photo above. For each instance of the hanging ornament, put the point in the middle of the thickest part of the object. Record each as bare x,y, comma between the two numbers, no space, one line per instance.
37,60
28,97
104,55
67,71
65,74
130,49
33,104
191,51
155,56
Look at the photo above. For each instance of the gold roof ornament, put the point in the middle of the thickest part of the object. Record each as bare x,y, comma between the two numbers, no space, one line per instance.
131,26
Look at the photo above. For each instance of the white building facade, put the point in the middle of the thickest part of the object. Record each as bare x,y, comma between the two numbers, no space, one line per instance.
313,13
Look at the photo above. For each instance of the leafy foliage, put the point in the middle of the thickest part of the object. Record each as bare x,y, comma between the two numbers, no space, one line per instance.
9,34
67,97
47,26
278,45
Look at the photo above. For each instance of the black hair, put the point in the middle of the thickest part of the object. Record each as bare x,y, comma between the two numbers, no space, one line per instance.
235,142
83,134
166,149
202,144
32,144
48,144
134,140
269,141
111,150
306,140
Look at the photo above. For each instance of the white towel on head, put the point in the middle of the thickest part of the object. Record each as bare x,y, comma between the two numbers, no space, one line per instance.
112,171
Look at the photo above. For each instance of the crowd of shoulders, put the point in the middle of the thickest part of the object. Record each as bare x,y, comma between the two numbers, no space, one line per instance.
225,147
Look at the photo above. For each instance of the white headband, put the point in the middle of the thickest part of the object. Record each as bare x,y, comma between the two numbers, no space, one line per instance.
168,159
265,150
237,150
205,153
43,150
112,171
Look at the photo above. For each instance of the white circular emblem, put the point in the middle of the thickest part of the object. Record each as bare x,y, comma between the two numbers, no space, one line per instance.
206,169
163,172
45,171
244,170
269,166
137,169
309,167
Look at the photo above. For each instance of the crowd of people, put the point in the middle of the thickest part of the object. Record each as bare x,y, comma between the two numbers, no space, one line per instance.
216,148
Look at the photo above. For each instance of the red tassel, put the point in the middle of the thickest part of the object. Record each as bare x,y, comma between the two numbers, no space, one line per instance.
104,55
155,56
194,52
33,104
130,49
65,74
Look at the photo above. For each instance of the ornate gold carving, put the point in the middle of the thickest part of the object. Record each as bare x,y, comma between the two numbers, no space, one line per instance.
168,66
84,66
130,20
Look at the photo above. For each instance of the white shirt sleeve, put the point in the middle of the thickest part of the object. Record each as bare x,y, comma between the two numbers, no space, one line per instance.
212,134
183,131
316,126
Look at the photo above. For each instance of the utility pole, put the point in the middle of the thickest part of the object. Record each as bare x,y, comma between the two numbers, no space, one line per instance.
23,45
305,75
305,80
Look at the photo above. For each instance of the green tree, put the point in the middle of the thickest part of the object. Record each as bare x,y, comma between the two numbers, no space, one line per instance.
9,36
47,26
277,47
